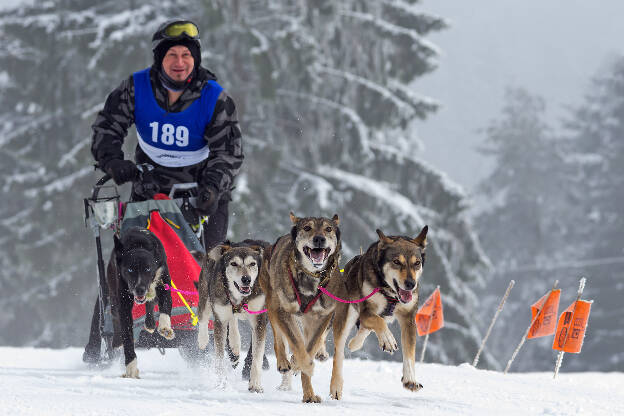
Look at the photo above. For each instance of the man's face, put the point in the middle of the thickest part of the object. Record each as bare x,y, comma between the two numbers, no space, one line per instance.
178,63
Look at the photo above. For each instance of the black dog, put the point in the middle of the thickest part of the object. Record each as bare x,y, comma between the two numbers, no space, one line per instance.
137,273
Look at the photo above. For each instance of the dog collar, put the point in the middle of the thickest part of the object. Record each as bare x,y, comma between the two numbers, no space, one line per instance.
392,302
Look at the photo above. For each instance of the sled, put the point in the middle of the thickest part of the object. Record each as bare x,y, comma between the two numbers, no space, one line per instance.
173,220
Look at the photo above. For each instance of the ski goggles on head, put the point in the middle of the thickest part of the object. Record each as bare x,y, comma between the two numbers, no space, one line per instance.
178,29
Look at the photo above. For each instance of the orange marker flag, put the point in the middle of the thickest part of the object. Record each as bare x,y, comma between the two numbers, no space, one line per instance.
546,321
430,316
571,327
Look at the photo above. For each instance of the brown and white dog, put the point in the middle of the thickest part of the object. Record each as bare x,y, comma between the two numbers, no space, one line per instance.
291,274
393,265
229,288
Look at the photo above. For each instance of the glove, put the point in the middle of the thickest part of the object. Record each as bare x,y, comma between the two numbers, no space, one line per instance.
207,201
147,187
122,171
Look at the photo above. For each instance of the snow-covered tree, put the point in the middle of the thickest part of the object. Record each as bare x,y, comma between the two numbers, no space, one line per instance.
555,213
595,157
328,117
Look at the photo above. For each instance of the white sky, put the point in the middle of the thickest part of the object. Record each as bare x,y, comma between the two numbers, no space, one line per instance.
552,48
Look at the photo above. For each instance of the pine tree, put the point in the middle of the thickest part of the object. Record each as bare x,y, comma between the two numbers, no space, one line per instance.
525,227
525,186
595,148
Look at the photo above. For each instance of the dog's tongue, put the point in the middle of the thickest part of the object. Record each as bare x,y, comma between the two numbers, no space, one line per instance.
406,295
139,299
317,255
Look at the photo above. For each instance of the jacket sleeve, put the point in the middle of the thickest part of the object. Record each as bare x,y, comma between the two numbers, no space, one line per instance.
112,123
224,139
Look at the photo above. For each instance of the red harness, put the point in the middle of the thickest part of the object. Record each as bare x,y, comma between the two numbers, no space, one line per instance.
306,308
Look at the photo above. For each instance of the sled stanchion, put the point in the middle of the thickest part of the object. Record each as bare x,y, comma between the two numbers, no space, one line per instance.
560,355
498,311
526,333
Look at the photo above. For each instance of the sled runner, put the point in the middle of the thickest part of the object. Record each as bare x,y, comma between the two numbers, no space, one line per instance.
173,220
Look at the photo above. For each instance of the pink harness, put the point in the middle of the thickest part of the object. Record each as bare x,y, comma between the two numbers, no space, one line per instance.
187,292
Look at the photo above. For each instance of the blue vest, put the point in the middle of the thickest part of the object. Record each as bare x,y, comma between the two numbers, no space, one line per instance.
172,139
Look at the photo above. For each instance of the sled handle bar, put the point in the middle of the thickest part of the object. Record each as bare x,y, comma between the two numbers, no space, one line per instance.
100,183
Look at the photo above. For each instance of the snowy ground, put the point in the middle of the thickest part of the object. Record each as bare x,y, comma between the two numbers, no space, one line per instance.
55,382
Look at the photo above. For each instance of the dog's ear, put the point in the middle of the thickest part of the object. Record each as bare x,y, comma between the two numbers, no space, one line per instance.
258,249
217,252
293,218
382,237
335,219
421,240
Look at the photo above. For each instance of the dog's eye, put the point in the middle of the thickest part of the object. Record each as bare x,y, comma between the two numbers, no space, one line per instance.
252,265
328,229
307,228
147,269
398,263
130,270
234,264
417,264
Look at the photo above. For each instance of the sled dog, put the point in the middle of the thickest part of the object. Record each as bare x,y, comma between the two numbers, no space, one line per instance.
228,287
291,274
393,265
137,273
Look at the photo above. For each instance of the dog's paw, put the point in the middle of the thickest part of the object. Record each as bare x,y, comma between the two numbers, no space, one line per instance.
322,355
166,332
132,371
150,330
411,385
255,387
335,387
286,384
283,366
387,342
164,327
311,398
358,339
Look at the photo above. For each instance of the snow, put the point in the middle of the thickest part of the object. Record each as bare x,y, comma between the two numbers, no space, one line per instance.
56,382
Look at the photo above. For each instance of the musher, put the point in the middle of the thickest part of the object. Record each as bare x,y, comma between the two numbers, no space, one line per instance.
187,129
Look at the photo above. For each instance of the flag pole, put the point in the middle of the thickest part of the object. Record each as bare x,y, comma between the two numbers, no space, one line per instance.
487,334
560,355
526,333
424,348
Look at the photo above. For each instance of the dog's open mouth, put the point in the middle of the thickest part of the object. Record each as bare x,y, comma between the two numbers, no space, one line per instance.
245,290
316,255
404,295
140,300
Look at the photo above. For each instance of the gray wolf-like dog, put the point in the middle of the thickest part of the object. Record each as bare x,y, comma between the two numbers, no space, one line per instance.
229,288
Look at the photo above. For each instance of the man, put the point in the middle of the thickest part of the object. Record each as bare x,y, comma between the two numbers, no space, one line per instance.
187,129
186,123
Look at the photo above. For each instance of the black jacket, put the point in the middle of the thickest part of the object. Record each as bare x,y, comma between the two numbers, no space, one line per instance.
222,134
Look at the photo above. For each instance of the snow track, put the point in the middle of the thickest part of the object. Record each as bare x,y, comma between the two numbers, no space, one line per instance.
55,382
